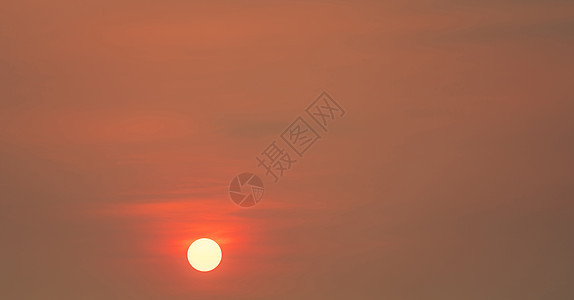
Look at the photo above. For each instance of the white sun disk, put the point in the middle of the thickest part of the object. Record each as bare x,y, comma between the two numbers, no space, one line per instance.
204,254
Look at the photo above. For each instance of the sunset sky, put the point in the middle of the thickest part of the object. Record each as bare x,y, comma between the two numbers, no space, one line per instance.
450,176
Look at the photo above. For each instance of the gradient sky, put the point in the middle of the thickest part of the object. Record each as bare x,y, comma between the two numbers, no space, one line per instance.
450,177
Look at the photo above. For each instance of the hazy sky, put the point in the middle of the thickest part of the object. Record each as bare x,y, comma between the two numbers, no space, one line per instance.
451,175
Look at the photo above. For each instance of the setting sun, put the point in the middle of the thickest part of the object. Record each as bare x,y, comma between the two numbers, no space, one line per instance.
204,255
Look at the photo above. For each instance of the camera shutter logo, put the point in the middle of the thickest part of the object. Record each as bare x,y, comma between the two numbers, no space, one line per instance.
246,189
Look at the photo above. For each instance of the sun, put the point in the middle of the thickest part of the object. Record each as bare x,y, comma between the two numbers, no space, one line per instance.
204,255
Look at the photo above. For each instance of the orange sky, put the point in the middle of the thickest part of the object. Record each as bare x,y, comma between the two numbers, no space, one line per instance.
450,176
